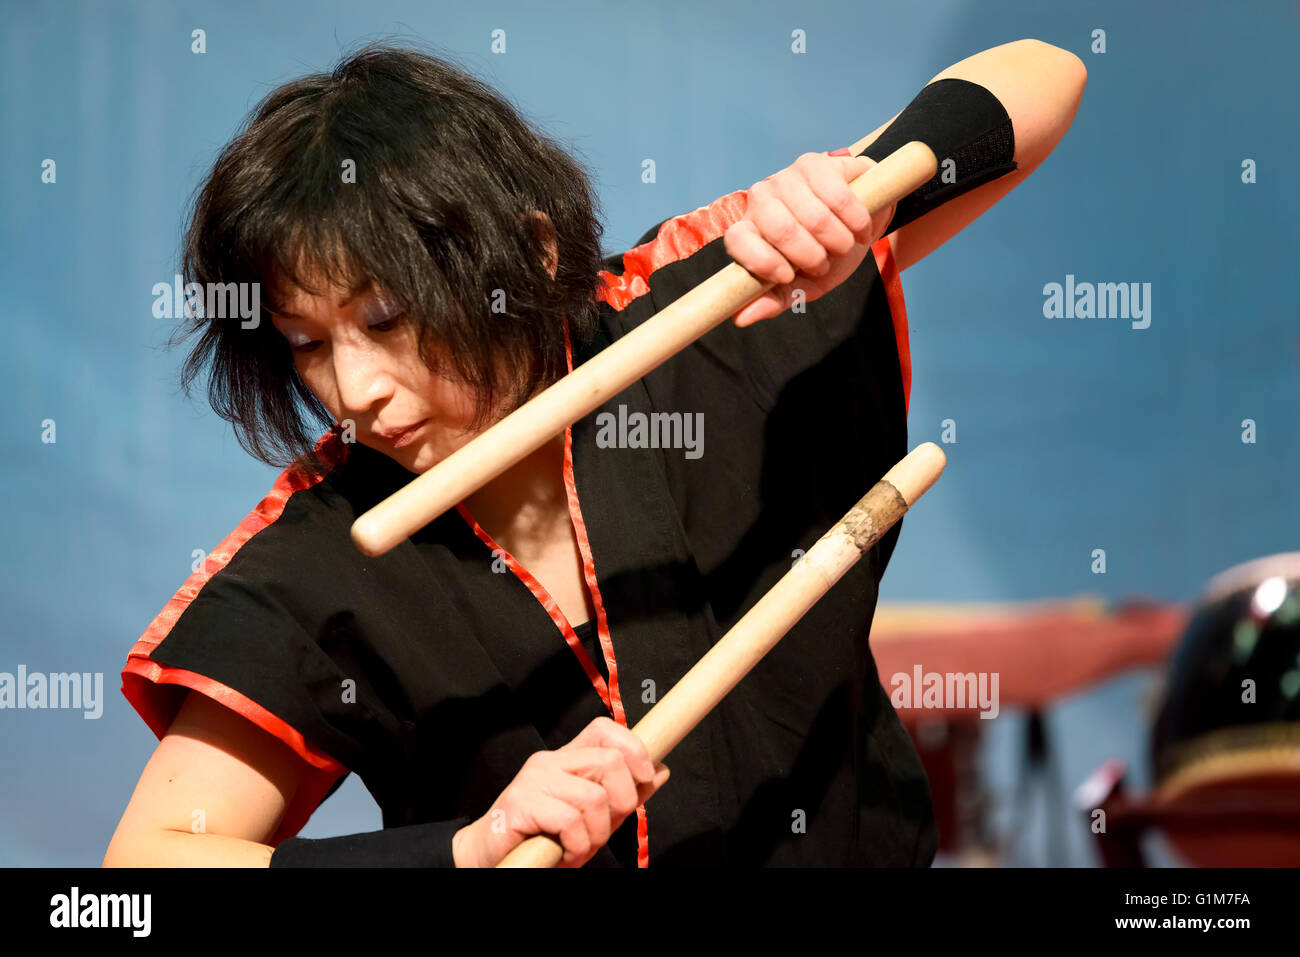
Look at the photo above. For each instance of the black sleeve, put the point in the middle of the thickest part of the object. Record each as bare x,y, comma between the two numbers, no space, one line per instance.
246,631
414,845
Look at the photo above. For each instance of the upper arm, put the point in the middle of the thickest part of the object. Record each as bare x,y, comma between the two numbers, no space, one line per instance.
1040,86
214,772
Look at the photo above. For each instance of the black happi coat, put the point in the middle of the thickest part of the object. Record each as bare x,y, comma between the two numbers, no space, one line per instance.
435,670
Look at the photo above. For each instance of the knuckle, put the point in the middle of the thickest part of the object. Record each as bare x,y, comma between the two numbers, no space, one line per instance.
638,746
611,759
781,228
837,249
846,206
624,806
822,219
575,836
842,245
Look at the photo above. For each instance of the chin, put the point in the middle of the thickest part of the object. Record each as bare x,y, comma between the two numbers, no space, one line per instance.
422,456
416,458
422,459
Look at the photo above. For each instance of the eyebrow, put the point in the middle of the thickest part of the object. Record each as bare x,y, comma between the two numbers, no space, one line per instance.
342,305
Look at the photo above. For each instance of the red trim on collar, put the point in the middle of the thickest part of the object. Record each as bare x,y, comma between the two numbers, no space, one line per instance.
609,693
602,623
544,598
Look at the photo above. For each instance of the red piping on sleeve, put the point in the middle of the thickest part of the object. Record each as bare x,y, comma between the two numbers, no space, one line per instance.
677,239
142,683
154,689
684,235
883,250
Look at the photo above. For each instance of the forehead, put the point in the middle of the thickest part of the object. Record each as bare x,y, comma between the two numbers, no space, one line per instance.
291,301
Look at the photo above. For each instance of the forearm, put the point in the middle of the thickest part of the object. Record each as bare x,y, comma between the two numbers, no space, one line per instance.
160,847
430,844
1039,85
1035,86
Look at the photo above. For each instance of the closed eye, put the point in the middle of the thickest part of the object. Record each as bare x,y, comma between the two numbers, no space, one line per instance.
388,324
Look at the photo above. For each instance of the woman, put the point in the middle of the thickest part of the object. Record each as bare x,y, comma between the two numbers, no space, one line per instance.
429,263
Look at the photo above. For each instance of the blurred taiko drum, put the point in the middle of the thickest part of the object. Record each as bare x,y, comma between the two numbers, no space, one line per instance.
1226,741
1225,746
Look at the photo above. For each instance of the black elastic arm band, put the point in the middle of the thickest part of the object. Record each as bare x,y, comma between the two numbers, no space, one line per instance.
962,122
413,845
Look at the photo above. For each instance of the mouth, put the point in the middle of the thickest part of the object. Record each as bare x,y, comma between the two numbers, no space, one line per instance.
400,437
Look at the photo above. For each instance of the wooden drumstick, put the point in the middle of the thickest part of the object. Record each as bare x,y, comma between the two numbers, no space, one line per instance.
605,375
766,623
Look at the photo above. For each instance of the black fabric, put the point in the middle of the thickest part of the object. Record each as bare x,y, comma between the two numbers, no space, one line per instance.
434,678
958,120
590,639
415,845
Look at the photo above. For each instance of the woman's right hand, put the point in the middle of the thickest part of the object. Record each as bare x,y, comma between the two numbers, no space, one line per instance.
579,794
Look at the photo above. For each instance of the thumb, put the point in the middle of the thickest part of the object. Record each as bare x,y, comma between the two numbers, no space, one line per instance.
854,166
648,788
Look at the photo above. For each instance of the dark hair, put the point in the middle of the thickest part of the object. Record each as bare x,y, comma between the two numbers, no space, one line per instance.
447,173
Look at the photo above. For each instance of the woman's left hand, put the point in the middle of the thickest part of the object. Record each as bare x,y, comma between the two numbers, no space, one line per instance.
804,229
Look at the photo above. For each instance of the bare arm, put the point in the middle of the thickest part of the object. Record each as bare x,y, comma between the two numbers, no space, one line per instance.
1040,86
242,779
216,762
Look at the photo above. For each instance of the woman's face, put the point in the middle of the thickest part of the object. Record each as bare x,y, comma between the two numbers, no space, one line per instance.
360,357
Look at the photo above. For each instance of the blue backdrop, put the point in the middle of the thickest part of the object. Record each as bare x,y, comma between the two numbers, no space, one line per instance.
1071,434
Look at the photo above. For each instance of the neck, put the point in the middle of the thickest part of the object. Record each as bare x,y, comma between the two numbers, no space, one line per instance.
524,506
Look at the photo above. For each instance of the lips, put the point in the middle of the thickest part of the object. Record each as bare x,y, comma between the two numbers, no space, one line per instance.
399,437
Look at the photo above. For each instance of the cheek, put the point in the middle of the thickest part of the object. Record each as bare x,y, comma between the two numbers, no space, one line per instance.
452,403
448,402
317,377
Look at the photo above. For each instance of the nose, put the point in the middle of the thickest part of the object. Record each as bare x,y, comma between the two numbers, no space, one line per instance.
362,377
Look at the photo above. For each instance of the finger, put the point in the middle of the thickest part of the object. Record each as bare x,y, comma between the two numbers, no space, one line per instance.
746,245
563,821
605,732
831,186
771,303
645,791
782,297
582,793
779,227
823,223
607,767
